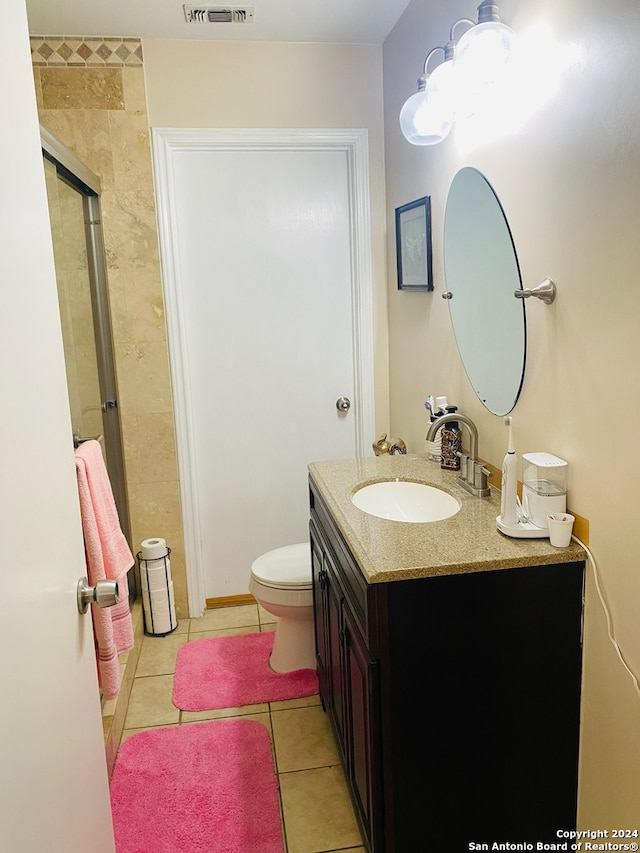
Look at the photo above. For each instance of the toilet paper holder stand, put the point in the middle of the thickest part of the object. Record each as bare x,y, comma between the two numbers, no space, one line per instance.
159,562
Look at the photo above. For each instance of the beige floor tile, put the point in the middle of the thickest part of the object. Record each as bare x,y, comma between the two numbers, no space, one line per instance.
150,703
109,707
158,654
219,713
268,626
263,718
318,814
301,702
303,739
128,732
265,616
182,627
226,617
222,632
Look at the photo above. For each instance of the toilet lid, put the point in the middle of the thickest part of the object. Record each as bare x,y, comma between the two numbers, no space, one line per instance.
285,567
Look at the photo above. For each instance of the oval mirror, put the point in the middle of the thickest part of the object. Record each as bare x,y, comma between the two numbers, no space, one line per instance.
482,273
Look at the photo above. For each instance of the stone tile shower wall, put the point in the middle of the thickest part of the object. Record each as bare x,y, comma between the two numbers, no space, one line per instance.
91,96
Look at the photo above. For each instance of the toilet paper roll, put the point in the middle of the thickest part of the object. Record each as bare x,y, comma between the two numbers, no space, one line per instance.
162,623
154,548
162,597
156,578
159,611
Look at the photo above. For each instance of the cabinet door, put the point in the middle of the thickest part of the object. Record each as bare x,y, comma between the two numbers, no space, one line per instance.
363,751
335,602
320,613
328,630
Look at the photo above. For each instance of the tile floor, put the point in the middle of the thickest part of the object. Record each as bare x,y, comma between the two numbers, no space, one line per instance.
316,808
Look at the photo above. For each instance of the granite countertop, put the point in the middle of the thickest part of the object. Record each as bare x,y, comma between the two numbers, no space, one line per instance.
396,550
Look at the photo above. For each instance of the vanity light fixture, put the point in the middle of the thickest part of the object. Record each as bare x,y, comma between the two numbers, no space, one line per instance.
482,58
427,116
421,121
470,71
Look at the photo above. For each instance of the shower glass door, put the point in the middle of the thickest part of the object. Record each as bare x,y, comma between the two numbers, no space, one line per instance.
73,194
66,211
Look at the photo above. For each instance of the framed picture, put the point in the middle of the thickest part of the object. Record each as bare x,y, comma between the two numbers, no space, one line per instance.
413,245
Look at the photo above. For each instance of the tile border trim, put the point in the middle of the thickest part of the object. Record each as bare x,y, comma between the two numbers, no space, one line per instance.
85,51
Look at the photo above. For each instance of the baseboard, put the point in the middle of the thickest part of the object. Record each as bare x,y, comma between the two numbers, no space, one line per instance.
229,601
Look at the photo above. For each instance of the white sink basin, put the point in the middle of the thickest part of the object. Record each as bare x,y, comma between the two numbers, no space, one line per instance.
401,500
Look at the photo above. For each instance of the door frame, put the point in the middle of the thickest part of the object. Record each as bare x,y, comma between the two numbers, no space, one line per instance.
168,142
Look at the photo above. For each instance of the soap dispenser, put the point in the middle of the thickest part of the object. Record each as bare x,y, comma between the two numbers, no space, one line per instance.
451,442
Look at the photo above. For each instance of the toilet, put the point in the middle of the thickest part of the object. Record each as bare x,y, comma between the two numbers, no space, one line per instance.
281,582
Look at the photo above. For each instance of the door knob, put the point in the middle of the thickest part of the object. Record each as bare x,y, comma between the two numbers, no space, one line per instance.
105,594
343,404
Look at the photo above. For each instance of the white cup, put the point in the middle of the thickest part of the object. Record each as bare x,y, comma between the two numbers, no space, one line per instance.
560,527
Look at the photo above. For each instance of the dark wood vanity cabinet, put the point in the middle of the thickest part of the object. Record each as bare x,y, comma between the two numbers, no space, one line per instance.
455,700
348,684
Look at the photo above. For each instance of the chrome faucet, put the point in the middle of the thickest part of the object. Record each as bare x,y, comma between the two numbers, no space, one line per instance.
473,474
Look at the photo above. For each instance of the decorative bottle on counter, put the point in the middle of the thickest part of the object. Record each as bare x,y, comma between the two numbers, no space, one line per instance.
451,442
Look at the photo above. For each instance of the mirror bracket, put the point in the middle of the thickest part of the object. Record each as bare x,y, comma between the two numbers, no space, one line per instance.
546,291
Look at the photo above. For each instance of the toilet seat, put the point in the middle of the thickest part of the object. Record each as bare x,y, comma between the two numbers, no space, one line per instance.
285,568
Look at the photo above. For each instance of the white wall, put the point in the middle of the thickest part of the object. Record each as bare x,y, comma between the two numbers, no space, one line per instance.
269,85
569,182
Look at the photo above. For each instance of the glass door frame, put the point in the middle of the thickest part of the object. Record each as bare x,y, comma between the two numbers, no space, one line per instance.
74,172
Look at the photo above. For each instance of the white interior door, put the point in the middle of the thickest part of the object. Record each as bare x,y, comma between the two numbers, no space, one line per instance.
265,247
53,771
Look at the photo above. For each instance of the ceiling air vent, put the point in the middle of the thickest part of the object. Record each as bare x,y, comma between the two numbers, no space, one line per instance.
218,14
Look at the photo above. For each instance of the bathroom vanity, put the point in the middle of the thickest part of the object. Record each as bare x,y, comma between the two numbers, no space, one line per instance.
449,661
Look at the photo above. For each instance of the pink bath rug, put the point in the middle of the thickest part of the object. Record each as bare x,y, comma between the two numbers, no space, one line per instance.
197,788
226,672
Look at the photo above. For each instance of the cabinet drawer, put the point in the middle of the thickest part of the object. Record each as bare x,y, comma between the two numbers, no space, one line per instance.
349,576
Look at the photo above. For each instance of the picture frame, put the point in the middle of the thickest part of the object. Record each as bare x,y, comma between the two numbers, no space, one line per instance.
413,245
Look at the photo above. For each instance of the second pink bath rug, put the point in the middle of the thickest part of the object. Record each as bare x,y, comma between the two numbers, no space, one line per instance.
197,788
225,672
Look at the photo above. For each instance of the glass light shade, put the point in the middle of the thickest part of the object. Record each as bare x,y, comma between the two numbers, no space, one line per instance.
481,63
423,118
442,93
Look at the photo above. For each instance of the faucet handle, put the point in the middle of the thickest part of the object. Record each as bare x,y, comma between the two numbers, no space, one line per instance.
480,475
464,466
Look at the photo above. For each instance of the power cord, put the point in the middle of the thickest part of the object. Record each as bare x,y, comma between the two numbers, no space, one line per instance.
634,678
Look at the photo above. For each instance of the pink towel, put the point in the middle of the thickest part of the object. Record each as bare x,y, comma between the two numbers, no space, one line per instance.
108,556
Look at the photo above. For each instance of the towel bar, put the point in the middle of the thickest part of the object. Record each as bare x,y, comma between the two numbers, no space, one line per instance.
78,440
